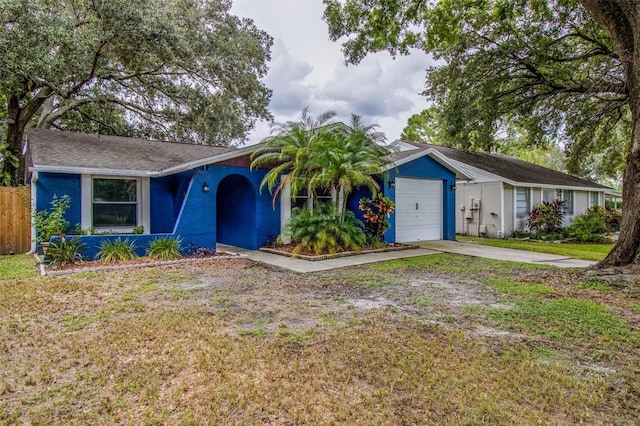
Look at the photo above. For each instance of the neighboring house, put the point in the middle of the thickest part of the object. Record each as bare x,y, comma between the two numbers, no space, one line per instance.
207,194
504,190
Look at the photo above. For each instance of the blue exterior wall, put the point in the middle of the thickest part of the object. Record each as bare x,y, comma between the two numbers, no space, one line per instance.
426,168
179,207
60,184
167,196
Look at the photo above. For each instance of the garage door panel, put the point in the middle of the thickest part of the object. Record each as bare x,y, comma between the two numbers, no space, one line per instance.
418,209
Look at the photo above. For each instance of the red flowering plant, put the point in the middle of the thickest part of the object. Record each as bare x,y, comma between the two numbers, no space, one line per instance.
376,214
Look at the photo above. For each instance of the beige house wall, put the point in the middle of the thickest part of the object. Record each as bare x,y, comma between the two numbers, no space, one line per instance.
495,215
485,220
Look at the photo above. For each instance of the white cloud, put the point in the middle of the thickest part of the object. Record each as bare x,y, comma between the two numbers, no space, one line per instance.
308,70
287,75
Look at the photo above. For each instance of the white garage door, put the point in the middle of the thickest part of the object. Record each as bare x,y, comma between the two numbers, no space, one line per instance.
418,210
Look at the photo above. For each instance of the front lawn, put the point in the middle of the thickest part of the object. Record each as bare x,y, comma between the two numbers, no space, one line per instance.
441,339
584,251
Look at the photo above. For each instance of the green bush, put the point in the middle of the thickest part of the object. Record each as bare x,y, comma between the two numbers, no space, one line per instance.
589,227
49,223
610,216
546,218
165,248
65,251
116,251
322,230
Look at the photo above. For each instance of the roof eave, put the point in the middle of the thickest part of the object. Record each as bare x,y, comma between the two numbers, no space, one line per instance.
460,172
91,170
206,161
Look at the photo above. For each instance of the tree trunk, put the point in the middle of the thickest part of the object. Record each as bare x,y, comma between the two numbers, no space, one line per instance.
627,249
18,117
15,134
621,20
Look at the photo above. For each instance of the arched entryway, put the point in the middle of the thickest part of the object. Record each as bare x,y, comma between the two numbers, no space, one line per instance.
236,212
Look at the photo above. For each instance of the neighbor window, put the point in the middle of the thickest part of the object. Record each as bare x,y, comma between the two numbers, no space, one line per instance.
549,195
567,197
115,203
593,199
523,202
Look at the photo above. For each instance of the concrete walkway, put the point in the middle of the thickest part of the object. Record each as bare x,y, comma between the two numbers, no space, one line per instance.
424,248
304,266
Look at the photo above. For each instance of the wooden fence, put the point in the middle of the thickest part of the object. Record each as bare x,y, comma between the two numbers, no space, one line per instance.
15,220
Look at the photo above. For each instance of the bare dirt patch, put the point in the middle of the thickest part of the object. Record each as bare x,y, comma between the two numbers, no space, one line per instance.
236,342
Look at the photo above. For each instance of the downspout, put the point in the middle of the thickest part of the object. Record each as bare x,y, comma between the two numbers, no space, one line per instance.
34,244
501,232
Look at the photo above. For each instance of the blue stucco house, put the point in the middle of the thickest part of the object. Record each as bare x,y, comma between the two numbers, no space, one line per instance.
208,194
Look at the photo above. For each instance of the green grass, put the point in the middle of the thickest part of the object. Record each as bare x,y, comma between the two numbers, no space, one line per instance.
565,318
454,264
524,289
584,251
112,343
17,267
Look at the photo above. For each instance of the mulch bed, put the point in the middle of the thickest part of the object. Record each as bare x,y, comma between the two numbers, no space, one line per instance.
287,250
139,262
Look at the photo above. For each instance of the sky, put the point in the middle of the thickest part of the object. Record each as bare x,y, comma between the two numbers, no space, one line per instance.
307,69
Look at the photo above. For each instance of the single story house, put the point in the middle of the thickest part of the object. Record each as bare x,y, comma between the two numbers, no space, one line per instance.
209,194
504,190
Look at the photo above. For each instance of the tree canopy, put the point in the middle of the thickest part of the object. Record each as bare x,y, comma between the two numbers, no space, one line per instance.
164,69
543,66
560,70
321,154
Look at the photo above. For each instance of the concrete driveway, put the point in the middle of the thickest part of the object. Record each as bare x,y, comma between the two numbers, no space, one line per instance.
498,253
423,248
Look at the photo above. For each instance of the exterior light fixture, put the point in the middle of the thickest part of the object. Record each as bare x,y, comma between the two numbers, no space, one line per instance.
453,186
205,187
392,183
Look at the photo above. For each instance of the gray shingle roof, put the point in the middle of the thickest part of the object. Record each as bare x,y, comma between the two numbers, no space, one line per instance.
50,148
508,168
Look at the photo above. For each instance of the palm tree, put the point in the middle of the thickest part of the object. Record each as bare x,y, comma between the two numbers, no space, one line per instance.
351,158
292,149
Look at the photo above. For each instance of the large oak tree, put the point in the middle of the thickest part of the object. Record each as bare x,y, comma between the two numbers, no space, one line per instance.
560,69
164,69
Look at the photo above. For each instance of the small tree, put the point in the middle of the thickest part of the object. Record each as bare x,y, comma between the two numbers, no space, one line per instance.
376,214
48,223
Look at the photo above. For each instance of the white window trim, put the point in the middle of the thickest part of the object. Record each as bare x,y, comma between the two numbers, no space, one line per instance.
518,221
143,188
573,201
515,202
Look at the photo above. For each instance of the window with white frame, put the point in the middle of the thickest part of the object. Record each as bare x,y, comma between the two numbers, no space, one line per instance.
593,199
567,197
549,195
114,202
523,201
300,200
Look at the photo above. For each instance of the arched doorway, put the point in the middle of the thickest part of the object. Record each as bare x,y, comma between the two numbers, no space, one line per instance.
236,212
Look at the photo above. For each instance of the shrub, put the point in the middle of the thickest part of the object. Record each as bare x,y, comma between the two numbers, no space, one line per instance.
547,217
165,248
610,216
65,251
48,223
589,227
322,230
116,251
376,214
